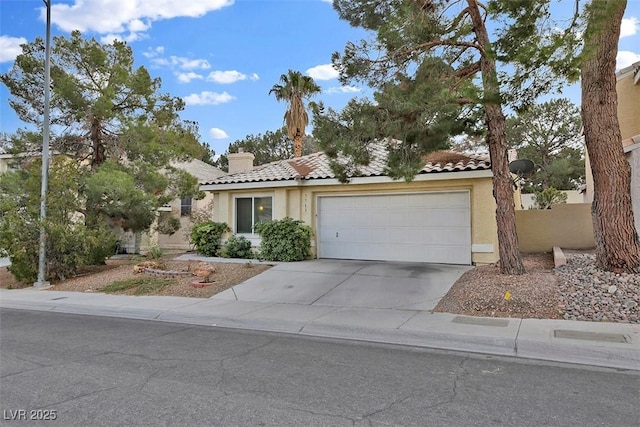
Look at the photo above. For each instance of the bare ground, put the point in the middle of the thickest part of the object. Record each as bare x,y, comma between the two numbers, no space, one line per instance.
94,278
483,291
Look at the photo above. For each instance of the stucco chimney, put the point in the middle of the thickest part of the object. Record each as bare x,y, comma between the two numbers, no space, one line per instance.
240,162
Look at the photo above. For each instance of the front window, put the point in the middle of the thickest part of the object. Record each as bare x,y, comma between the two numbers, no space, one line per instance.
185,206
250,211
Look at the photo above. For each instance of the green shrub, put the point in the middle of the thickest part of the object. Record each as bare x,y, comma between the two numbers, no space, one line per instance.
237,247
72,246
206,236
168,224
154,252
69,247
284,240
547,197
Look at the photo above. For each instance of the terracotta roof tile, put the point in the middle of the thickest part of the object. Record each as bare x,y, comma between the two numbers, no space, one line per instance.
317,166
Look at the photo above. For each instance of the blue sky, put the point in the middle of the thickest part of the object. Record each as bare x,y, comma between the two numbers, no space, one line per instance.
220,56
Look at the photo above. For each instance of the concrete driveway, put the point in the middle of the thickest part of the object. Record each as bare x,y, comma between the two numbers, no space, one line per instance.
343,283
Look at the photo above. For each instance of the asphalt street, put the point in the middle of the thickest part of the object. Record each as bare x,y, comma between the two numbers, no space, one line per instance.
99,371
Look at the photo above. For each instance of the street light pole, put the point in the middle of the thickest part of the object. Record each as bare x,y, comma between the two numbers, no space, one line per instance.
42,261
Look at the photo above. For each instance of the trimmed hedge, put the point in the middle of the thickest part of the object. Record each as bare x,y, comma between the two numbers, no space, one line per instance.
237,247
284,240
206,236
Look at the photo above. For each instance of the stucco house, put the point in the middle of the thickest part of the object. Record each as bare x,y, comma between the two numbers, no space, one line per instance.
445,215
628,90
5,158
178,208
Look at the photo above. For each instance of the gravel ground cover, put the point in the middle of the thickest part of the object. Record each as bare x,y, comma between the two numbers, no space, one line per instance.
575,291
588,293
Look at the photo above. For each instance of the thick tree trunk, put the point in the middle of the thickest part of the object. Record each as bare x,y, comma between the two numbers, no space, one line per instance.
297,145
98,147
617,245
510,260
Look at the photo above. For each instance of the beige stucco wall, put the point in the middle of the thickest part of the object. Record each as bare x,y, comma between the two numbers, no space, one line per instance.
633,157
568,226
3,165
299,202
628,105
628,117
179,241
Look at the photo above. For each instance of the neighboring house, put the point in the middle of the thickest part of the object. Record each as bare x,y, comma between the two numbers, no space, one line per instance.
130,242
628,89
4,161
7,162
445,215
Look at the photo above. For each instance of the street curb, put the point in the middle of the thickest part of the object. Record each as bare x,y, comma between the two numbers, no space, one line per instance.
522,338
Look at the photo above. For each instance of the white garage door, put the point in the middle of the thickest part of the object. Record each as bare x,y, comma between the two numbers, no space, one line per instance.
422,227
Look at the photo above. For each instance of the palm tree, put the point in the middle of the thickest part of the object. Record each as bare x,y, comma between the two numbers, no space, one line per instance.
293,89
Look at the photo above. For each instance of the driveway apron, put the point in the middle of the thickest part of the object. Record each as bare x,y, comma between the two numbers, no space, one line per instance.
354,284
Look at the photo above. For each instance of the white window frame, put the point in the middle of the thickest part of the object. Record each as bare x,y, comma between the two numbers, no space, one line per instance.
253,236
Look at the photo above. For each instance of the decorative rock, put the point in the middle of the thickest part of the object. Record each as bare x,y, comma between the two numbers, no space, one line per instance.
588,293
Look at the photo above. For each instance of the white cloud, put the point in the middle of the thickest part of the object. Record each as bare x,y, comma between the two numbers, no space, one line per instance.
10,47
120,16
131,37
208,98
230,76
217,133
629,27
323,72
626,58
342,89
138,25
193,64
153,53
182,63
188,77
226,77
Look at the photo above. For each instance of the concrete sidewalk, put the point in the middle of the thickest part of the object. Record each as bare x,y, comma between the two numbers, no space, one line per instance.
615,345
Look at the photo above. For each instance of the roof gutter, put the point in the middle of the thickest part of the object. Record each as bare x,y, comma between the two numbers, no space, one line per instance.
432,176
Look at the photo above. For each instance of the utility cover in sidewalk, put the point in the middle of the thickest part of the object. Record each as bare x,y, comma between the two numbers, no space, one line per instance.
502,323
589,336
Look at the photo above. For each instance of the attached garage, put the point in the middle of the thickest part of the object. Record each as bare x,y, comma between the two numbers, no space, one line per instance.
446,214
417,227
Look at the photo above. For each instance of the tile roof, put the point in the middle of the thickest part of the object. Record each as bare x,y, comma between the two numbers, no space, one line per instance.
317,166
201,170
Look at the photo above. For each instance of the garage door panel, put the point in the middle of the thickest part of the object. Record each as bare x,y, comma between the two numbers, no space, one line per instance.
376,202
375,217
445,236
423,227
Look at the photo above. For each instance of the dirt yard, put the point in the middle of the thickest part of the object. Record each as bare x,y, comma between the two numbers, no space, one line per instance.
483,291
95,278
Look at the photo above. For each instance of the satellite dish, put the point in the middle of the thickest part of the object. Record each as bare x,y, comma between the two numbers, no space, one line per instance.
521,166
